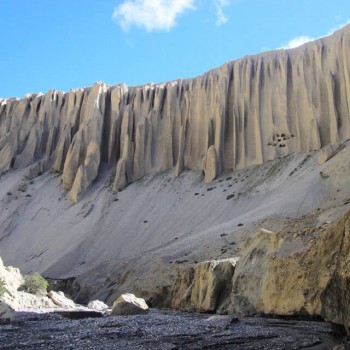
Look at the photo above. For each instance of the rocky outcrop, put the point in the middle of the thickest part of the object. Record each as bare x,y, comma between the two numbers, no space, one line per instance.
244,113
335,298
278,273
129,304
12,277
27,301
281,275
207,288
15,299
19,300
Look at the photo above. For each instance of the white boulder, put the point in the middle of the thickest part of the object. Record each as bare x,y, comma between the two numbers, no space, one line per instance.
61,300
129,304
97,305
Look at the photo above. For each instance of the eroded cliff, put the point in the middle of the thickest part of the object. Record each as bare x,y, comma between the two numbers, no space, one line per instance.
244,113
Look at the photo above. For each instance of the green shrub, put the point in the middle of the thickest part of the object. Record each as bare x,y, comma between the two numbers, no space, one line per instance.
2,287
35,284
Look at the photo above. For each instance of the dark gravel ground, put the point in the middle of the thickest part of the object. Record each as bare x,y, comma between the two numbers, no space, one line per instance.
165,330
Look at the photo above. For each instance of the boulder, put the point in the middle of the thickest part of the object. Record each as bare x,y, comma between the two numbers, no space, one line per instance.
97,305
129,304
61,300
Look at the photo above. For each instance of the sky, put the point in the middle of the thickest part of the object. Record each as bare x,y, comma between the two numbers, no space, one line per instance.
66,44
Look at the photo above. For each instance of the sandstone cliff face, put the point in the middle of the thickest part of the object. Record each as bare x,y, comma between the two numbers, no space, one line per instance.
303,274
244,113
280,275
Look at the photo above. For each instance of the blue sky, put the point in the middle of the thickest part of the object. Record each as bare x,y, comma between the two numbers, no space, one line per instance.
65,44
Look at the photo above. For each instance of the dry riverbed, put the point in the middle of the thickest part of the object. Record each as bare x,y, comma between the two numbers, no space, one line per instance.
162,329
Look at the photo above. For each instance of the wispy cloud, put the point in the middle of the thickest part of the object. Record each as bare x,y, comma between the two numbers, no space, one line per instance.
151,15
221,18
298,41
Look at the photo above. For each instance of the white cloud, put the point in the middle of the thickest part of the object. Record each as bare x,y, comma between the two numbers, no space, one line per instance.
221,18
298,41
151,14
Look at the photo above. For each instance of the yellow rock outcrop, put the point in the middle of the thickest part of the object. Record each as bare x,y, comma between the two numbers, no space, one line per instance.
280,275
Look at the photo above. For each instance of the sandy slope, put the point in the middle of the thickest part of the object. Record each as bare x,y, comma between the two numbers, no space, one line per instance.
138,238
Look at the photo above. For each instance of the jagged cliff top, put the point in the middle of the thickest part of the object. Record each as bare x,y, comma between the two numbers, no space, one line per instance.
243,113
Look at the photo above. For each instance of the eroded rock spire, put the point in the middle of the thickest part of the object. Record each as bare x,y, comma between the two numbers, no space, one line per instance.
243,113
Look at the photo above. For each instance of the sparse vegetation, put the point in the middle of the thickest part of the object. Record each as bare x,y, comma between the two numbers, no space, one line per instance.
35,284
2,287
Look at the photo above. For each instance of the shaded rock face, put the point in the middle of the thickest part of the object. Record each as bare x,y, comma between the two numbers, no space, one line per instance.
6,312
277,275
246,112
335,298
206,289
